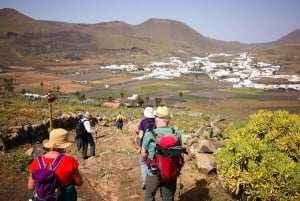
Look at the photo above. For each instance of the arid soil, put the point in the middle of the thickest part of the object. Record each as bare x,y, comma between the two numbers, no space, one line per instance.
113,174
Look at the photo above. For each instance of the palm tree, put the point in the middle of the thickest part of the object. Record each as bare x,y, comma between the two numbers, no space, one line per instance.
8,86
42,86
140,101
158,101
180,95
147,99
122,96
82,97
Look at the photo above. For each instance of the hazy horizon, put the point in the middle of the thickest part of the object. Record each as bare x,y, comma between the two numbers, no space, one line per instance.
247,21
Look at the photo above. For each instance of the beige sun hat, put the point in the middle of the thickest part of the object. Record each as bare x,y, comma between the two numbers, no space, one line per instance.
163,112
58,138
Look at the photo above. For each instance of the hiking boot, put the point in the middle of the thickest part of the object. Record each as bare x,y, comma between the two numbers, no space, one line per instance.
144,185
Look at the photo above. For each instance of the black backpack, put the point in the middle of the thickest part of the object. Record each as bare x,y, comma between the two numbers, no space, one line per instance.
149,126
80,130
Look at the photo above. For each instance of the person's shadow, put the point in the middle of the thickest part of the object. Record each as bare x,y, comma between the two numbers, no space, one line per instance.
199,193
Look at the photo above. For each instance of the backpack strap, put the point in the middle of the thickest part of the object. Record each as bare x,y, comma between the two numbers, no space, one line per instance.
149,125
53,165
41,162
57,161
154,135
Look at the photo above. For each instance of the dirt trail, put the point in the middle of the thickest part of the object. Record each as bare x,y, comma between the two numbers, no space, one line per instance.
113,174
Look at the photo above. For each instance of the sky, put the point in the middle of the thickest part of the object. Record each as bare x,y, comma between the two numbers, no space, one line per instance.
246,21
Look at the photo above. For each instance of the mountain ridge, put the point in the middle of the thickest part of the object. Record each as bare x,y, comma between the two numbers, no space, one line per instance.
153,38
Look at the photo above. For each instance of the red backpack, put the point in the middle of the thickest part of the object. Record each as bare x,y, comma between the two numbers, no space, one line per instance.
168,159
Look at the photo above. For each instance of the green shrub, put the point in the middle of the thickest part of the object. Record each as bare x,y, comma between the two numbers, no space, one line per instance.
18,162
261,158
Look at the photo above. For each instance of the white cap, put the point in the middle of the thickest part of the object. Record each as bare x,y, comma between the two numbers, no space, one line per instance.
148,112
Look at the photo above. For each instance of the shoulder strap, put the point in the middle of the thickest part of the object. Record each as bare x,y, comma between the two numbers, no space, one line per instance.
57,161
41,162
155,137
149,125
53,166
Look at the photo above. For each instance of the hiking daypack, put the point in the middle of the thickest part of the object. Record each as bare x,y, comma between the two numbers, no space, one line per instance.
150,125
80,130
168,158
47,188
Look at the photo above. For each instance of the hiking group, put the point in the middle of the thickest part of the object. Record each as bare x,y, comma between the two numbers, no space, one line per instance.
54,175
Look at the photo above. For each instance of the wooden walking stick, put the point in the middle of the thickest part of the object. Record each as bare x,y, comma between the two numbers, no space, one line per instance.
50,99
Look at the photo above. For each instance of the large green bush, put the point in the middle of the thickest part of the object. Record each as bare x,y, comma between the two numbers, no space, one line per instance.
261,158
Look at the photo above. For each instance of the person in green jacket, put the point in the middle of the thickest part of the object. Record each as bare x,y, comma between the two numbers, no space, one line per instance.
153,183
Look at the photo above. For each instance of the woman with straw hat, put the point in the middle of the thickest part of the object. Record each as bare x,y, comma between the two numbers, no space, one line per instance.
67,171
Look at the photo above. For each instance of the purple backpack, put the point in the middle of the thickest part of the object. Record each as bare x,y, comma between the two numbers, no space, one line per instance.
47,188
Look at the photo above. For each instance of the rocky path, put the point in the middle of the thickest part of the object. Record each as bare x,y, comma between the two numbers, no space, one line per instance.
114,174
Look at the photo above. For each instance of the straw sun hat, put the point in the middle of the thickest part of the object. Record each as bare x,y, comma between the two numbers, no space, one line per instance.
162,112
58,138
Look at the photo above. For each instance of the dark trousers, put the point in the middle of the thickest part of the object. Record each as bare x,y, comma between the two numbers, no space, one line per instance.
78,143
167,190
85,142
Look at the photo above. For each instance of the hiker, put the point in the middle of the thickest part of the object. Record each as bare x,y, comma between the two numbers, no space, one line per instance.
67,172
145,124
87,137
77,136
119,122
149,148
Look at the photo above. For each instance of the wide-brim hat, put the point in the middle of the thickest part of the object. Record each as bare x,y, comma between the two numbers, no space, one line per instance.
163,112
148,112
58,138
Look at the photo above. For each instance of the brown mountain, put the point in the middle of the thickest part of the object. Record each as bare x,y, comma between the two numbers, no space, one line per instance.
291,38
24,40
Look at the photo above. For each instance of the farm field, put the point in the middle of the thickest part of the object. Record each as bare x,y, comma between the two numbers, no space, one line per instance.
190,92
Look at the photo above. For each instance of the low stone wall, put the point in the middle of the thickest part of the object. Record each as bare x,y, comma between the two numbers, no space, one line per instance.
26,134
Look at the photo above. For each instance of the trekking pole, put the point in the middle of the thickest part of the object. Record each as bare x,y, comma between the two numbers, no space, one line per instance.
179,193
50,99
50,112
180,187
96,133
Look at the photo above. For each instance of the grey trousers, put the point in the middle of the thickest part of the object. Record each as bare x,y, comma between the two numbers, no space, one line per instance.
167,190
